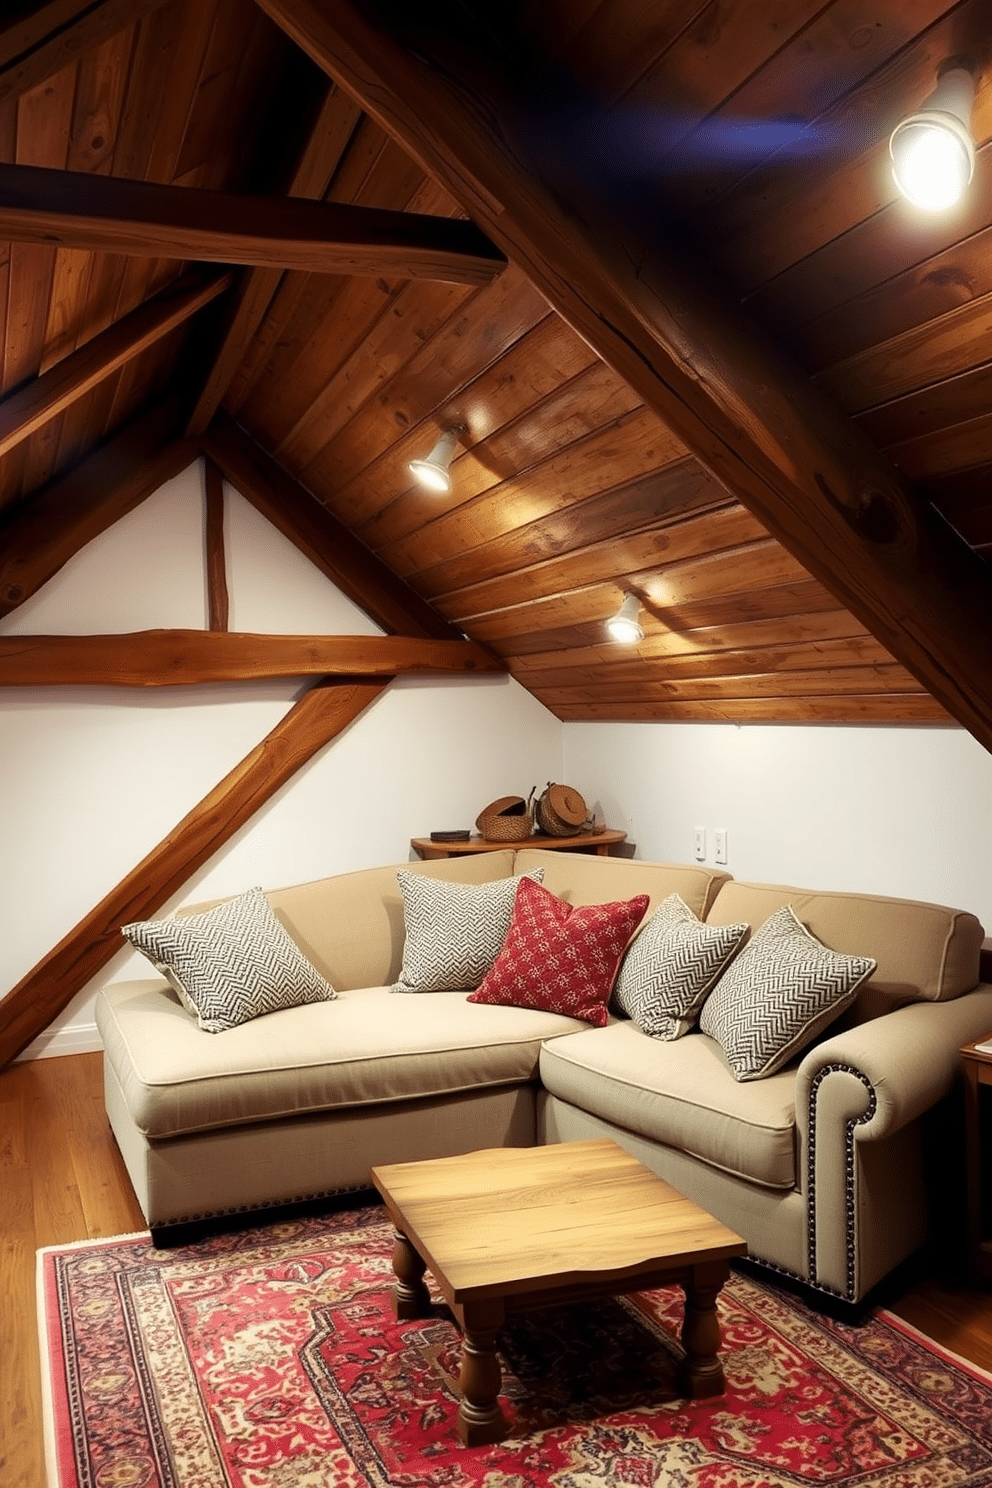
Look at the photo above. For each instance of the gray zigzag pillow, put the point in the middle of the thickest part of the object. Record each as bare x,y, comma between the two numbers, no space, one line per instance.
231,963
670,967
454,931
783,990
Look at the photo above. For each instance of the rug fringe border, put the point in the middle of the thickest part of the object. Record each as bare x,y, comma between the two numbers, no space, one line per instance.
47,1358
911,1331
93,1243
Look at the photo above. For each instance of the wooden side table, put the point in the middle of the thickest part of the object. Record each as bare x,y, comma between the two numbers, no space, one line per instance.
977,1064
601,843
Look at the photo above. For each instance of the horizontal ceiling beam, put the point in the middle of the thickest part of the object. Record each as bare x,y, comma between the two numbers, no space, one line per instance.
41,534
177,658
716,378
318,534
37,402
73,209
254,294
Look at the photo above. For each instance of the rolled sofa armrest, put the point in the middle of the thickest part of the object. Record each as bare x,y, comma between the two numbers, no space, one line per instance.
903,1062
858,1095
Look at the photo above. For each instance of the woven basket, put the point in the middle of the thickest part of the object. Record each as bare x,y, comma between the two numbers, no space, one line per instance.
561,811
507,819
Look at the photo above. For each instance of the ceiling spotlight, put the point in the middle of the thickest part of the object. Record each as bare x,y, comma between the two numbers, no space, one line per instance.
434,472
624,626
933,153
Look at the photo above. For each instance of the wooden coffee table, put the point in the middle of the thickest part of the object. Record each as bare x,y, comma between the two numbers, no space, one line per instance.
516,1228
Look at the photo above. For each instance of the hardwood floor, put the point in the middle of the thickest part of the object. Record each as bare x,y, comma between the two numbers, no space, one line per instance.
62,1179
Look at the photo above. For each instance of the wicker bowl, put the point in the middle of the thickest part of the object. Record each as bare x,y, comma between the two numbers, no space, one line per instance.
507,819
561,811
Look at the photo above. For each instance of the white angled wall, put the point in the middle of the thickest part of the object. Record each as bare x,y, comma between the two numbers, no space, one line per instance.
903,811
91,779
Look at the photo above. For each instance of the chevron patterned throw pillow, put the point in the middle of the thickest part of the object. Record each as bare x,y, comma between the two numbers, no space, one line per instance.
559,958
778,995
231,963
668,970
454,931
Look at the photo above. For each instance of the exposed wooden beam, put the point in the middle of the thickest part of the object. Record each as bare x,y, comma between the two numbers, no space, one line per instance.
77,374
44,532
298,515
169,658
73,209
255,292
319,715
216,564
49,37
716,378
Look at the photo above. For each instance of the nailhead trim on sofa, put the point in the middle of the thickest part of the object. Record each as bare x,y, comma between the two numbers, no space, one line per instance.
849,1196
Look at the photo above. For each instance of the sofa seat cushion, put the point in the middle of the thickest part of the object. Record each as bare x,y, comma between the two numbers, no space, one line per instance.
365,1048
682,1094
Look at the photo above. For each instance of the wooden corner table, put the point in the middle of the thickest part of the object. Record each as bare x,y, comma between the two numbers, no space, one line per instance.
977,1065
601,843
512,1229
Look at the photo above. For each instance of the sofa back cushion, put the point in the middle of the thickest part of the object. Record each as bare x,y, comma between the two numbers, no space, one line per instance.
925,952
582,878
351,926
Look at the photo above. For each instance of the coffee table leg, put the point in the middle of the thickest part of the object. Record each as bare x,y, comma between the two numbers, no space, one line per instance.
411,1298
480,1416
701,1373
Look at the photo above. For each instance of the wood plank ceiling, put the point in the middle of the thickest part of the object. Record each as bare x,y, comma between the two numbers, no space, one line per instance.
755,132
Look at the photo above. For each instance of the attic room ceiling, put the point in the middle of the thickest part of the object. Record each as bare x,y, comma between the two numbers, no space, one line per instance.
747,142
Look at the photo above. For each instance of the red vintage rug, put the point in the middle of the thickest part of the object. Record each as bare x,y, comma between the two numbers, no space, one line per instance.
271,1359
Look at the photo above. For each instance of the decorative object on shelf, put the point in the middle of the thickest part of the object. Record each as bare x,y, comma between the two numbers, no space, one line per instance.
933,153
459,834
561,811
507,819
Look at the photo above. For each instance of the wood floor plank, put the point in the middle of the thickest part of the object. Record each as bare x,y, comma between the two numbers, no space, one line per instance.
39,1093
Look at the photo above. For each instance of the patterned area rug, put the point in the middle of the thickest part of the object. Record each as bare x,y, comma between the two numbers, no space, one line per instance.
271,1359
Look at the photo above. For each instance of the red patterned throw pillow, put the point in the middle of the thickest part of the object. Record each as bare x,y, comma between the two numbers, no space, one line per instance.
560,958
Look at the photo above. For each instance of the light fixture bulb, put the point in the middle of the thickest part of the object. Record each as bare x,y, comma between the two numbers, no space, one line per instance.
434,471
933,154
624,627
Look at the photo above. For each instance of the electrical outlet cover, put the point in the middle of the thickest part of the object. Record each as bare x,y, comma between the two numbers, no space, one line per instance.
720,838
699,843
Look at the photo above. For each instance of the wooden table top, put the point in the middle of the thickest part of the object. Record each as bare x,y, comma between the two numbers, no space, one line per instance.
512,1220
598,842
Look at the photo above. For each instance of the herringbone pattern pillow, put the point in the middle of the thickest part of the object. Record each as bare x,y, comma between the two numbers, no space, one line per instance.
668,970
779,994
454,931
232,963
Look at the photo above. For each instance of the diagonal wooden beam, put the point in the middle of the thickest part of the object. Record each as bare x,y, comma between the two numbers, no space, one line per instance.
170,658
37,45
715,377
73,209
328,544
68,380
257,288
44,532
318,717
41,534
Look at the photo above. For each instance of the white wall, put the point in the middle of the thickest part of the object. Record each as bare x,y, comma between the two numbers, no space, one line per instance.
91,779
903,811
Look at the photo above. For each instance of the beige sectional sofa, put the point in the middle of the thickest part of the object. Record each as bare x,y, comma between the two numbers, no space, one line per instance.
819,1166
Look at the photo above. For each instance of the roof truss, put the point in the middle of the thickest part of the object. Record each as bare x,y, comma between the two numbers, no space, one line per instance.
718,381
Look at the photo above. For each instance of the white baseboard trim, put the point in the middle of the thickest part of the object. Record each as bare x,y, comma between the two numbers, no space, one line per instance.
78,1038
